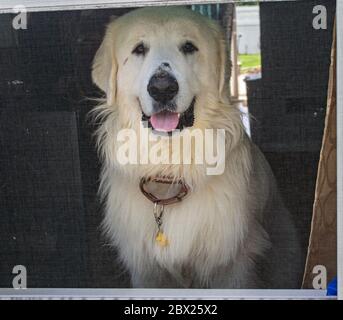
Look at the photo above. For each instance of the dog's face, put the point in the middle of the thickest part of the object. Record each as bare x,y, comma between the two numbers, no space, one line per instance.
161,65
161,68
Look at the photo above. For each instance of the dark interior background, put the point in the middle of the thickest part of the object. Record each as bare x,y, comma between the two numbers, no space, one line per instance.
49,210
289,101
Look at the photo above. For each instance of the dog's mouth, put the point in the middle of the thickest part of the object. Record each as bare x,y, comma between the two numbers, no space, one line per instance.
167,120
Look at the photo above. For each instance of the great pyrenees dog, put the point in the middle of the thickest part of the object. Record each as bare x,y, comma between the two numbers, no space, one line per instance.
176,224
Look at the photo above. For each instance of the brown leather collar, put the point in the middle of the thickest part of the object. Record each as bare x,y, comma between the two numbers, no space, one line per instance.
167,180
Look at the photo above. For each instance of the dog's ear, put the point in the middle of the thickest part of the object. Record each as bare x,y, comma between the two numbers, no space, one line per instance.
104,69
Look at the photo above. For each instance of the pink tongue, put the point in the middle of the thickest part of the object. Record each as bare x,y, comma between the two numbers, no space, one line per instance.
164,121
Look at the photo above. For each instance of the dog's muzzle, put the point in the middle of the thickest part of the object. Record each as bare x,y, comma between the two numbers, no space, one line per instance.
163,88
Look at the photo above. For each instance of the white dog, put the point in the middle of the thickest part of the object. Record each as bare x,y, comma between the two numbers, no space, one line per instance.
166,67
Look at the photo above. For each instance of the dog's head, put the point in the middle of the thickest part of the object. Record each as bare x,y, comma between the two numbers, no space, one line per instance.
163,65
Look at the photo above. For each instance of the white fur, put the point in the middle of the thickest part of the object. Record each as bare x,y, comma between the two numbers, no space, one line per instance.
228,227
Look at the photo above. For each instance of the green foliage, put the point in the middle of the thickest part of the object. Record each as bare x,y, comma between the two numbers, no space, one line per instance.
249,61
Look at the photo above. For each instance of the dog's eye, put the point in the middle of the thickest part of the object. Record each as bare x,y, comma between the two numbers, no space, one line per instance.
188,48
140,49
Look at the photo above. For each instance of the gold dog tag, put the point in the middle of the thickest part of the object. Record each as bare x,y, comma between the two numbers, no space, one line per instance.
161,239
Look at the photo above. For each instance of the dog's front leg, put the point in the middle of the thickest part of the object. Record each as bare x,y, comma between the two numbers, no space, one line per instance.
144,281
147,281
238,275
153,277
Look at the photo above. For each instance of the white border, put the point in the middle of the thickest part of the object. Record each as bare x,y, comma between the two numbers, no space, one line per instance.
6,6
339,26
165,294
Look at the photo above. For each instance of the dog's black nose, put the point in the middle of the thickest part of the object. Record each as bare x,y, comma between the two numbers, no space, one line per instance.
163,86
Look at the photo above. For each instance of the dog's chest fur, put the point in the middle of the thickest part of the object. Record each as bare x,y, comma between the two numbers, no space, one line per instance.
205,231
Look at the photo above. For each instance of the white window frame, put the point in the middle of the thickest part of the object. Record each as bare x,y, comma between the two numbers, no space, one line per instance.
6,6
